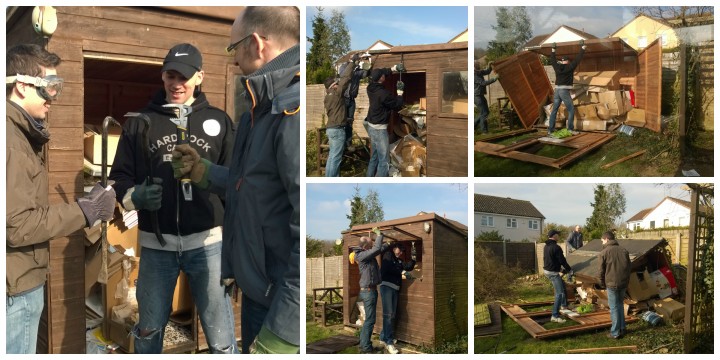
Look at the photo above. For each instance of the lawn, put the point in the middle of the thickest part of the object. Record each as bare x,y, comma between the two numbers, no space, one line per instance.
514,339
314,332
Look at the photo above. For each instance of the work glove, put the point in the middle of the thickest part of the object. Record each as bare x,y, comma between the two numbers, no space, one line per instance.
98,205
187,161
582,44
413,254
268,343
148,197
554,47
400,88
376,231
398,68
496,78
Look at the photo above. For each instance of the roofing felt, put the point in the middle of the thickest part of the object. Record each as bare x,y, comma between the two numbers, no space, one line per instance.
585,261
506,206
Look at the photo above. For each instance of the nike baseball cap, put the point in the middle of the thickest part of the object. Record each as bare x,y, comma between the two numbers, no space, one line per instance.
183,58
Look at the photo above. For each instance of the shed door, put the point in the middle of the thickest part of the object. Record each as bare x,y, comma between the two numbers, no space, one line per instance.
525,82
649,84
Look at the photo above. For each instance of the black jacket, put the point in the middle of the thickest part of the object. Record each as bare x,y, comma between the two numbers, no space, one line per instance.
392,268
564,73
210,132
575,239
357,74
553,258
381,103
481,83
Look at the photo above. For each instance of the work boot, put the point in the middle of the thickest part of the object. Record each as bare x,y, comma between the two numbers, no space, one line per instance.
557,319
391,349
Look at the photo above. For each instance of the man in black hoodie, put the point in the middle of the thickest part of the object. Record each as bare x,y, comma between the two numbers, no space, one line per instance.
382,102
564,70
191,229
391,273
553,261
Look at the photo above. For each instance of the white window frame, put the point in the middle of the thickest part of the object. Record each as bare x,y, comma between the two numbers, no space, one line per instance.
652,224
488,220
534,224
666,223
511,223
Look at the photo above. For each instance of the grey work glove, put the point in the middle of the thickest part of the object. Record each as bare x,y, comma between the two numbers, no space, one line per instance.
148,197
554,47
98,206
400,88
398,68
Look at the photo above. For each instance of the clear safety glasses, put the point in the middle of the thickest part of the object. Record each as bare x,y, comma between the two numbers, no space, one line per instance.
48,88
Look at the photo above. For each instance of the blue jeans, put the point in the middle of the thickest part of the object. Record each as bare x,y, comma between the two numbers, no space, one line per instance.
252,317
369,299
617,310
22,318
559,289
389,298
483,112
157,277
564,96
336,139
379,144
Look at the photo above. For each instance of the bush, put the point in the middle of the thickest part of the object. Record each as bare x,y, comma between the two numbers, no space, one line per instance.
493,279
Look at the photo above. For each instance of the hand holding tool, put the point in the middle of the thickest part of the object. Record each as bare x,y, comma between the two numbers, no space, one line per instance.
182,111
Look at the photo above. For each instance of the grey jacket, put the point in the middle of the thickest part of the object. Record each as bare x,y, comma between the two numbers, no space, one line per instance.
369,268
614,266
261,232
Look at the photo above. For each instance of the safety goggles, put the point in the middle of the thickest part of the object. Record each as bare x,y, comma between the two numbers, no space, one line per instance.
230,50
48,88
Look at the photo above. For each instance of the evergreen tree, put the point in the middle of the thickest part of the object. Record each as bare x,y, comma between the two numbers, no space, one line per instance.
313,247
512,31
608,207
373,207
318,60
357,209
339,43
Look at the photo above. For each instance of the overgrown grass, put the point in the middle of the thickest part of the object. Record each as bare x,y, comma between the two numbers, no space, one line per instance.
459,345
514,339
314,332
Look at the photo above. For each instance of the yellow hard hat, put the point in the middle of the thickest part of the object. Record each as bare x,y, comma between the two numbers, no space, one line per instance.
352,257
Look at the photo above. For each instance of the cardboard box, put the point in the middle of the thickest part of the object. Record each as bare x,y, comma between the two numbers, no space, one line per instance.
662,284
635,117
92,268
589,125
640,287
613,99
423,103
586,112
669,309
182,298
93,147
606,79
119,333
603,112
460,106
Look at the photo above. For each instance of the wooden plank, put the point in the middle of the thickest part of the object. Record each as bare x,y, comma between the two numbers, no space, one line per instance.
632,348
623,159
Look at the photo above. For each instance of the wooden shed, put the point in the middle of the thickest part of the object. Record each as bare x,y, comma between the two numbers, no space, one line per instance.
433,307
111,62
437,72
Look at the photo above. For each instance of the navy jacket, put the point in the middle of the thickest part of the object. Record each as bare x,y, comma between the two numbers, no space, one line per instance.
553,258
392,268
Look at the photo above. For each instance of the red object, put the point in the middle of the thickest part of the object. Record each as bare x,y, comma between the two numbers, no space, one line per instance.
671,279
632,97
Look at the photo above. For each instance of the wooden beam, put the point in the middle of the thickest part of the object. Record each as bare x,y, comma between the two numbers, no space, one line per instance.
623,159
610,348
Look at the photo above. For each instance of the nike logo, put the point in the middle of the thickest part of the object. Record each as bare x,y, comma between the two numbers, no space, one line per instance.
181,54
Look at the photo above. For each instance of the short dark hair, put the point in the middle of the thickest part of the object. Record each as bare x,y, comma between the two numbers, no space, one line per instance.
608,235
28,59
329,81
281,22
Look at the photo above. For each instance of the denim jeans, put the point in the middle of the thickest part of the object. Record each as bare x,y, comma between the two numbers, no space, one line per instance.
564,96
389,298
22,318
483,112
379,144
252,317
336,139
559,289
369,299
156,284
617,310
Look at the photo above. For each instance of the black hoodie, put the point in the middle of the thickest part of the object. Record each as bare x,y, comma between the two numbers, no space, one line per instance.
211,133
381,103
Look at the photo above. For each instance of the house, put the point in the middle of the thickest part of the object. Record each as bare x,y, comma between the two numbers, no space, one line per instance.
668,213
463,36
561,34
642,30
514,219
379,46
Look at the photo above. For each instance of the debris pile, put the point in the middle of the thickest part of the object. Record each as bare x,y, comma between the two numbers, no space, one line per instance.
408,156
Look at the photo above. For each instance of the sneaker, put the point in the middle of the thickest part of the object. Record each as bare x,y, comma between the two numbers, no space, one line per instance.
574,132
557,319
391,349
611,336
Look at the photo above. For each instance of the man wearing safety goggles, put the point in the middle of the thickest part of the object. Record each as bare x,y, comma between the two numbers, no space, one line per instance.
31,84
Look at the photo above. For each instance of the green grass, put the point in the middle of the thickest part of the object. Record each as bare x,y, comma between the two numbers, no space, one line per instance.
514,339
314,332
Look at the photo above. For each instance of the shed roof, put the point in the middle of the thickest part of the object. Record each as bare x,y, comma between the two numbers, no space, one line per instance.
585,261
506,206
455,225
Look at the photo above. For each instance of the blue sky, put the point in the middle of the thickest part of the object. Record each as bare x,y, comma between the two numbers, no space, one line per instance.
407,25
328,204
600,21
569,204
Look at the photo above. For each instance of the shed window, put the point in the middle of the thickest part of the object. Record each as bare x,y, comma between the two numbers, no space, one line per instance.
512,223
652,224
487,221
533,225
455,92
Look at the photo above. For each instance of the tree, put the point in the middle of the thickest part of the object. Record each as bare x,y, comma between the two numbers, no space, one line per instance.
366,209
313,247
339,35
608,207
319,65
679,16
512,31
357,209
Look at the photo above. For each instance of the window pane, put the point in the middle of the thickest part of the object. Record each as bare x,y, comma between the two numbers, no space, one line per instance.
455,92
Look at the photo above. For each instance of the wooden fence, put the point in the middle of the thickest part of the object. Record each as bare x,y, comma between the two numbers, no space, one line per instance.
323,272
315,108
518,254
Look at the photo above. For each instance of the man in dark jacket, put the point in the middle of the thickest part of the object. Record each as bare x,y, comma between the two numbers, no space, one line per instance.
574,240
382,102
31,85
261,232
337,118
554,267
391,273
191,229
361,71
369,279
564,70
480,101
615,276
